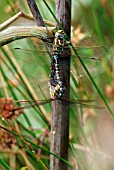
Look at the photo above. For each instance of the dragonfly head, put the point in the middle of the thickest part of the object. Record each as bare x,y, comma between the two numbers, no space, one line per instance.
60,34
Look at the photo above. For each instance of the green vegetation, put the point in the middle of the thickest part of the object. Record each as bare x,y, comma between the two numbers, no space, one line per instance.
24,75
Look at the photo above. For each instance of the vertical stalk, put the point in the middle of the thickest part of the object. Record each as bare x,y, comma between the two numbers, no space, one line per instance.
35,12
60,111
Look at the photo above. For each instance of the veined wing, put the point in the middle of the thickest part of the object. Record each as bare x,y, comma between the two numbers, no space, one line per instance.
10,108
30,52
33,57
28,104
32,61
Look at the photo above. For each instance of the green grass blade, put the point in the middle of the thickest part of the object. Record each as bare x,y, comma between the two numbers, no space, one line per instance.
33,144
4,164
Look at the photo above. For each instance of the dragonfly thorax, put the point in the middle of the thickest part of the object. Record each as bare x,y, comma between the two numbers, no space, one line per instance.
60,39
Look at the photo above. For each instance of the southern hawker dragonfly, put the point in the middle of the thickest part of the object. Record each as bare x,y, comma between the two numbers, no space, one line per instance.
30,59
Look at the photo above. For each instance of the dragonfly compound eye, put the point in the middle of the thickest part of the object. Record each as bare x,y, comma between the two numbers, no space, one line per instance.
60,34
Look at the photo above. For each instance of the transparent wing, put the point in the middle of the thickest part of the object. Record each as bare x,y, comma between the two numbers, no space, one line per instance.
28,51
33,61
11,109
30,55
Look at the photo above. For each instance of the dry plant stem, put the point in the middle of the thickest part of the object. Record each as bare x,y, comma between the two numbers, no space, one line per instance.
46,133
60,112
24,155
23,26
18,32
37,17
4,87
36,13
25,142
107,8
20,18
9,21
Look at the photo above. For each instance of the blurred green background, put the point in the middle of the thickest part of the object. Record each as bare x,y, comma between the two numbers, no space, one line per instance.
25,74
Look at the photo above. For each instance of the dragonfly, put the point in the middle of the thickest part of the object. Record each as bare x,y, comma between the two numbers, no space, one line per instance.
58,47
